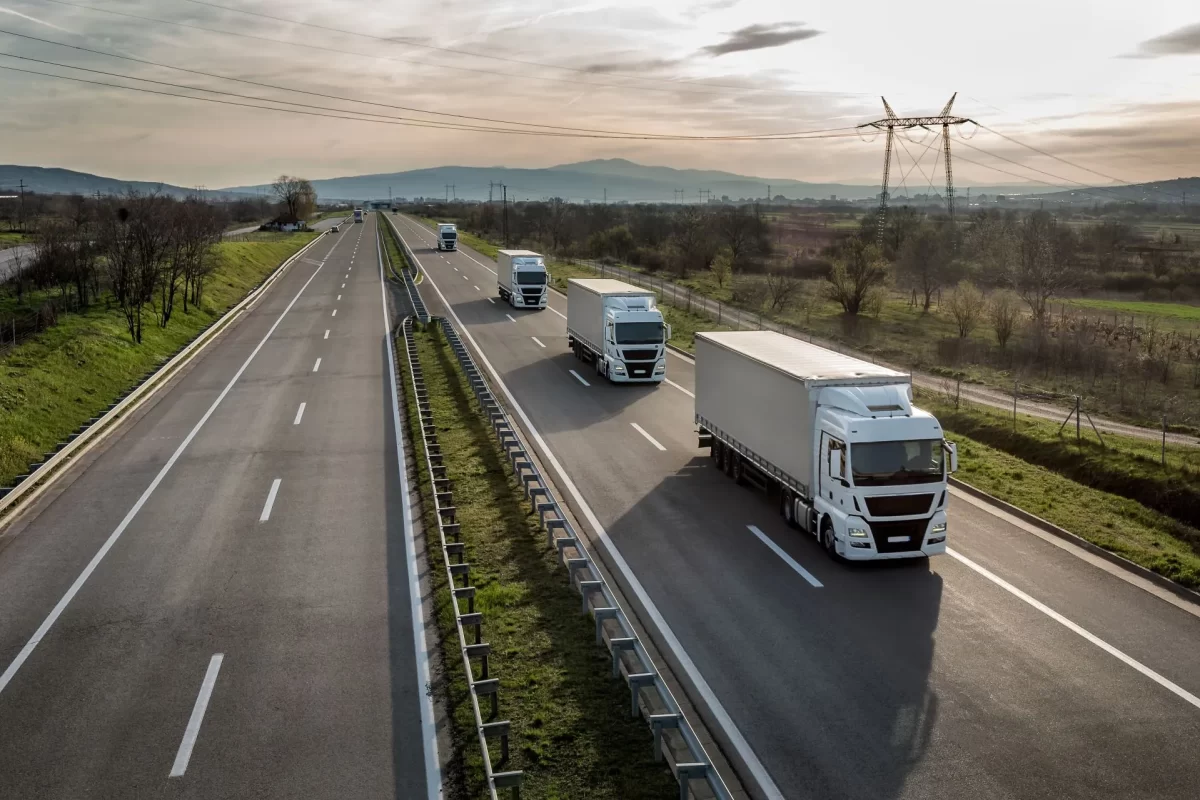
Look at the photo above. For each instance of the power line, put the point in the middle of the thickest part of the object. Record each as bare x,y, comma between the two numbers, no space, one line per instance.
366,102
305,46
358,116
540,65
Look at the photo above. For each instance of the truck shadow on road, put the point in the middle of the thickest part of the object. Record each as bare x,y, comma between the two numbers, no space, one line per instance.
829,685
597,402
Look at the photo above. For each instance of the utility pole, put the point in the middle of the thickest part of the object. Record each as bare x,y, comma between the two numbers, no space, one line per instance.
678,196
21,212
768,194
454,192
605,195
505,190
889,124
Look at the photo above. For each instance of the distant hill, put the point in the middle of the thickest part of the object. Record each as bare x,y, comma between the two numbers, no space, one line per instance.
587,181
1178,190
51,180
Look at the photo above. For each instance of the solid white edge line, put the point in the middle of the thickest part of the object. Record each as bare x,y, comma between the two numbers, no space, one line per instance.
737,740
791,562
299,414
62,604
1069,625
677,386
317,365
649,438
433,774
266,512
578,377
192,732
538,341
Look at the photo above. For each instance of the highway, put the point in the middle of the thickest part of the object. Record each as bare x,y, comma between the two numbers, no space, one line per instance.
217,602
1016,666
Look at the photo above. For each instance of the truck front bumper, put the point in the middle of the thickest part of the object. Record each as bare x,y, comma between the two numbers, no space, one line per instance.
519,301
637,371
928,540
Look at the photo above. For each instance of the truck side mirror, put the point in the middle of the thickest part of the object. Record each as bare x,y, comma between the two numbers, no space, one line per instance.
668,334
952,450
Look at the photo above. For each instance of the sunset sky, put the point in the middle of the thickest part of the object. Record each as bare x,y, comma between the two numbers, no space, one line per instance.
1112,86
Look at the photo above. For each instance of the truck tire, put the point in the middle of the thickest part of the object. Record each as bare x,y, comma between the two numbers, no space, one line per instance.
787,507
738,470
827,539
715,452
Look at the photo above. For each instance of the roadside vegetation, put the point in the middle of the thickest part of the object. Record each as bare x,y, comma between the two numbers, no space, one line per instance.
1001,296
571,730
56,380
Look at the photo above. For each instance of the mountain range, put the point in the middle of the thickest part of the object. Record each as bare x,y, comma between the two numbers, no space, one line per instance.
614,180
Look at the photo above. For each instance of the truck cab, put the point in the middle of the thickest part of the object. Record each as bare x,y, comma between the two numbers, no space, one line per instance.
522,278
881,474
447,236
635,339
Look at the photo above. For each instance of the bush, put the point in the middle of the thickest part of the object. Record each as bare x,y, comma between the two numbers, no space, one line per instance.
651,259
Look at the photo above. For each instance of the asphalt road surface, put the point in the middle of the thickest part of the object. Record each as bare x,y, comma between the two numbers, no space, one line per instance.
217,602
1014,667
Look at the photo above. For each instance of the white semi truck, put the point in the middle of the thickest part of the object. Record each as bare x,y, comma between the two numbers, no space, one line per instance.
358,215
617,327
836,439
447,236
522,278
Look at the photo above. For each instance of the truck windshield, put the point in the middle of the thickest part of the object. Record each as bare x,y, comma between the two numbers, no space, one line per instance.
639,333
895,463
530,278
449,235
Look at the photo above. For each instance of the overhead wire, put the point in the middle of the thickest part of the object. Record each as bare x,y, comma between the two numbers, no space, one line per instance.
383,105
361,116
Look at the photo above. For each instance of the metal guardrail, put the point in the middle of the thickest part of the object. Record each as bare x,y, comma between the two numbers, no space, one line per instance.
453,553
407,273
650,698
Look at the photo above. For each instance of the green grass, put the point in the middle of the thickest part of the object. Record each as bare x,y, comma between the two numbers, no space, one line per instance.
57,380
1135,307
399,261
1115,523
14,238
571,730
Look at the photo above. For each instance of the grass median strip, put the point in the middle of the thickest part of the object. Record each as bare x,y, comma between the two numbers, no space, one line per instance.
571,730
63,376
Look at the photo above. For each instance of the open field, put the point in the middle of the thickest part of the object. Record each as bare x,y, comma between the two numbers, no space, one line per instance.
13,238
571,730
61,377
1139,308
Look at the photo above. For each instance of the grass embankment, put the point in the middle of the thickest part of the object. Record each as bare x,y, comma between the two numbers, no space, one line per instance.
14,238
399,261
55,381
1166,311
571,730
1066,484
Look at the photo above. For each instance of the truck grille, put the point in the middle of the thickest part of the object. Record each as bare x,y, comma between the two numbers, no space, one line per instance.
639,372
532,294
913,529
899,505
641,355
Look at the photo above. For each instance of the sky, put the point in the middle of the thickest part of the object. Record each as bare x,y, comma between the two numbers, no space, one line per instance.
1107,90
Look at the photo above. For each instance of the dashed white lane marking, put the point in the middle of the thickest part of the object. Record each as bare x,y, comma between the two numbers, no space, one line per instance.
334,314
326,335
649,438
579,377
299,414
266,512
317,365
538,341
510,317
192,732
791,562
677,386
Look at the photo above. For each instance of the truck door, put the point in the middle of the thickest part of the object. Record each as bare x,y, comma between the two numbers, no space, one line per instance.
833,466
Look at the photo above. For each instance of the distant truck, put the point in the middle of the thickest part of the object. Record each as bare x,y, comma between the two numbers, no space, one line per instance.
837,441
358,215
618,328
522,278
447,236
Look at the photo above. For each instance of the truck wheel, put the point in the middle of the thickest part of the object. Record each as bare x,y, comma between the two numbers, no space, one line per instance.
787,507
715,452
827,539
739,471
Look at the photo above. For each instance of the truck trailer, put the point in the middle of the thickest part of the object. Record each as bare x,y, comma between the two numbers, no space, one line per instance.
835,439
522,278
447,236
618,328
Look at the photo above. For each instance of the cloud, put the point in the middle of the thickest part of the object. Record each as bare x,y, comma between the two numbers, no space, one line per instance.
758,37
1181,42
4,10
641,65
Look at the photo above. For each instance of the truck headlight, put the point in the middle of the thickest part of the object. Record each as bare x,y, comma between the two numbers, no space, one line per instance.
619,369
858,533
938,527
660,366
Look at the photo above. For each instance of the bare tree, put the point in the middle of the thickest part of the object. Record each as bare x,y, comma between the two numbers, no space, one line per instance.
297,194
1043,266
1004,312
782,287
695,245
857,274
134,241
927,261
742,231
966,306
722,268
